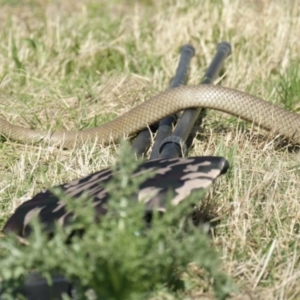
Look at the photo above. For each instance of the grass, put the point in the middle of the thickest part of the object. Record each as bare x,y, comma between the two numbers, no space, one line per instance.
73,65
122,258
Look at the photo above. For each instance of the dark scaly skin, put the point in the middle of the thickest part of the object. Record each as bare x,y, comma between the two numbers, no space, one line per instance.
231,101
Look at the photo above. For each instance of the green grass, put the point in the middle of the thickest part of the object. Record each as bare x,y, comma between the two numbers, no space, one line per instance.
121,258
77,65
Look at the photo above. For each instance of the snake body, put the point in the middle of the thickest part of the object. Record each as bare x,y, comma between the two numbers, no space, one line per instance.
231,101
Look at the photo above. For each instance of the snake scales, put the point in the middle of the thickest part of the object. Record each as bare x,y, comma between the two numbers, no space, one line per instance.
231,101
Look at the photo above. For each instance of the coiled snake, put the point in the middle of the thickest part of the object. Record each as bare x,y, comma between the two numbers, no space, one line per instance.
231,101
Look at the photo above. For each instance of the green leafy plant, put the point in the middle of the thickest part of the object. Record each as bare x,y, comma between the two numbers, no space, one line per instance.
120,257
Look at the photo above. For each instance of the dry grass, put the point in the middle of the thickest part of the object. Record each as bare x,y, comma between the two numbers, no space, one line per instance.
78,65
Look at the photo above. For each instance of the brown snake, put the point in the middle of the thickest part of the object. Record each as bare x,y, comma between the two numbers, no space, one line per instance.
231,101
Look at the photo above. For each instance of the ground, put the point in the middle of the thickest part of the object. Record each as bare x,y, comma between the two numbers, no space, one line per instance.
77,64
